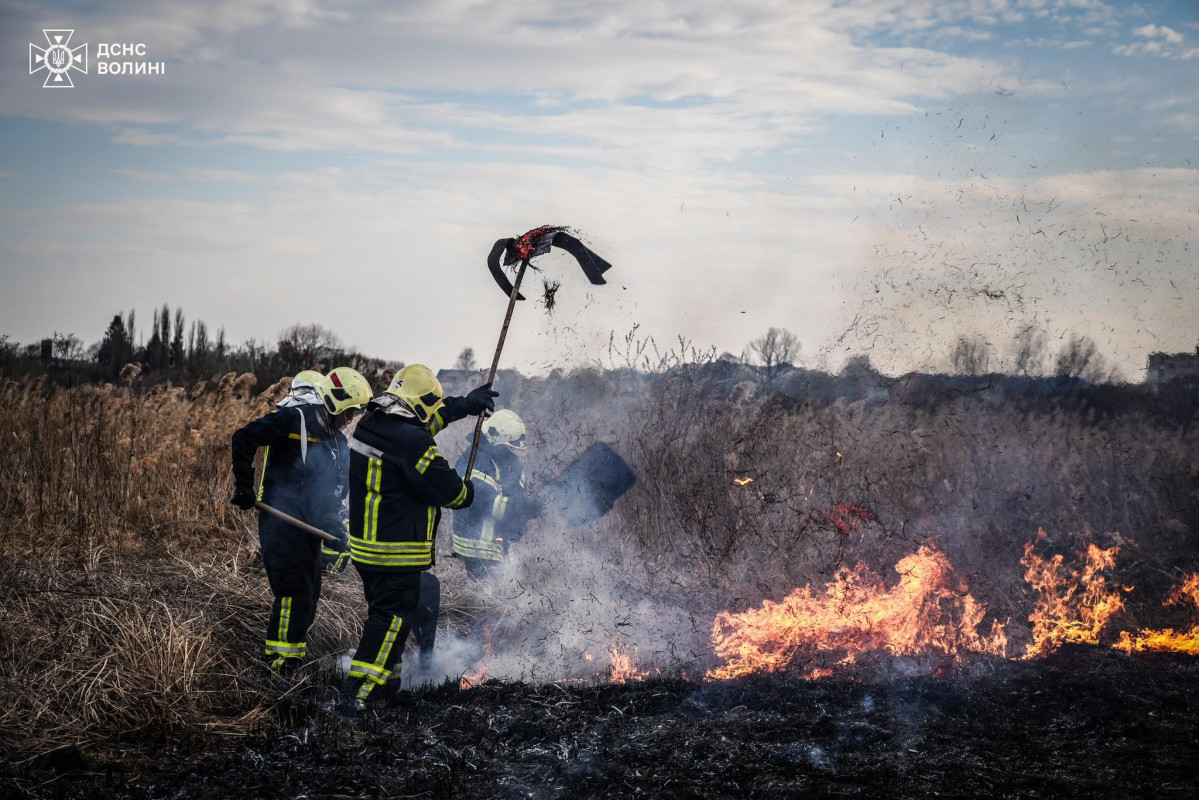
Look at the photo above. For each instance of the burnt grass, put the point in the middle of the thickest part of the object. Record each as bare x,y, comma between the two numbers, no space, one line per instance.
1086,722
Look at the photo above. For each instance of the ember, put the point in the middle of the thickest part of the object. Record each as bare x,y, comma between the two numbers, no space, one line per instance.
743,481
526,245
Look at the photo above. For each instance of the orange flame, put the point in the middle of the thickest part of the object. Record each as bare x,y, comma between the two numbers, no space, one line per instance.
743,481
482,668
624,667
928,611
1074,606
1167,640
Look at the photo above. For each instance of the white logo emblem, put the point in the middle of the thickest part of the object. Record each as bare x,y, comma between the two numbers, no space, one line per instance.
58,59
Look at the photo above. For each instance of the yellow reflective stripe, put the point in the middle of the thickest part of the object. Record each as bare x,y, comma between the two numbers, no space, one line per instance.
436,424
485,478
499,507
377,670
393,561
361,669
286,648
284,618
266,454
388,547
393,631
391,554
432,524
473,548
374,475
460,499
427,459
297,437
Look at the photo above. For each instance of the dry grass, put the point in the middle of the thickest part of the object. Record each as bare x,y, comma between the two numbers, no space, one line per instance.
128,610
127,607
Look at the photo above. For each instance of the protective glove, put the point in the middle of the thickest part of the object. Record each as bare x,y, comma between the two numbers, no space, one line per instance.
480,399
243,497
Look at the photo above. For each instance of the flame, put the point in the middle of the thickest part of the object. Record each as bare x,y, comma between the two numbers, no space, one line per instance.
743,481
928,611
623,664
482,668
1167,640
1073,606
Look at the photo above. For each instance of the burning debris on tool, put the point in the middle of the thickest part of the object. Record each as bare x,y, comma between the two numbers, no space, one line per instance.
537,242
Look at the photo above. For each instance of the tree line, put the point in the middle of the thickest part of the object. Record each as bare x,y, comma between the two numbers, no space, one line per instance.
181,350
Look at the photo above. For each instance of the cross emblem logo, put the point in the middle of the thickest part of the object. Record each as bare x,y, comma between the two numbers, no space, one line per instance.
58,59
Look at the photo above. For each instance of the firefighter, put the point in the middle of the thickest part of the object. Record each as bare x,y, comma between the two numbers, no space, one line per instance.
502,507
303,389
304,466
399,482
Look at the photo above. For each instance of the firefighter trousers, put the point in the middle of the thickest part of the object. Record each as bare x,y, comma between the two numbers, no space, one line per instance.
292,560
392,599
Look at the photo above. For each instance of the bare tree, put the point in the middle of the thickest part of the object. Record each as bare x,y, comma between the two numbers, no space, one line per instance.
777,349
303,346
1080,358
466,360
971,355
1029,353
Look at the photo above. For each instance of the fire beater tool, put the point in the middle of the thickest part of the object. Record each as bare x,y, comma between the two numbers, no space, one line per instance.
523,249
288,518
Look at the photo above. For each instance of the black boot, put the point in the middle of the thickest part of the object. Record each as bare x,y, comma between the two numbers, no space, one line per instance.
351,705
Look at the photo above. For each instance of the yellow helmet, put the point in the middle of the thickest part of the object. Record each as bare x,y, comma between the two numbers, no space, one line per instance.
505,427
420,390
344,388
308,377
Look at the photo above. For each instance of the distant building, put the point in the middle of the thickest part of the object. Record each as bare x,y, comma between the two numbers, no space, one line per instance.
1176,369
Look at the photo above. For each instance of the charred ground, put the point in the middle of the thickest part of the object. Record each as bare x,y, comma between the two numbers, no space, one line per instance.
1086,722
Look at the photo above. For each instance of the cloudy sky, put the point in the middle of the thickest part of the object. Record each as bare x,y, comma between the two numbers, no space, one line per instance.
878,176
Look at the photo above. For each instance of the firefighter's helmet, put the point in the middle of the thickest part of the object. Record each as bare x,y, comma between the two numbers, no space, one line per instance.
344,388
420,390
306,378
506,428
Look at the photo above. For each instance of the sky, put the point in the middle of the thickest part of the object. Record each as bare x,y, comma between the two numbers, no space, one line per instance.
878,176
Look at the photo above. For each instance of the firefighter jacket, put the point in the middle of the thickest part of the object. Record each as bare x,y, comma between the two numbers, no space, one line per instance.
304,464
399,482
501,509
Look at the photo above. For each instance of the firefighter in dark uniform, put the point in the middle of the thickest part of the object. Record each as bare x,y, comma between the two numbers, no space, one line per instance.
502,507
399,482
303,474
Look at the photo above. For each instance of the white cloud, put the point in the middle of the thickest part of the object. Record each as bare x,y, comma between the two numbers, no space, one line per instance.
1151,31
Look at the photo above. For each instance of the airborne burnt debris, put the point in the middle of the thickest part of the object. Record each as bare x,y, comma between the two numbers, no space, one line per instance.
1087,722
549,294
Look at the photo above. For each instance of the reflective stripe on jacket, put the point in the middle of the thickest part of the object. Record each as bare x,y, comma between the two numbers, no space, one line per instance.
498,515
399,482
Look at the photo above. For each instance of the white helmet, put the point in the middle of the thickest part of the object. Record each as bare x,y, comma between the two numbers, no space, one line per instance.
505,427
